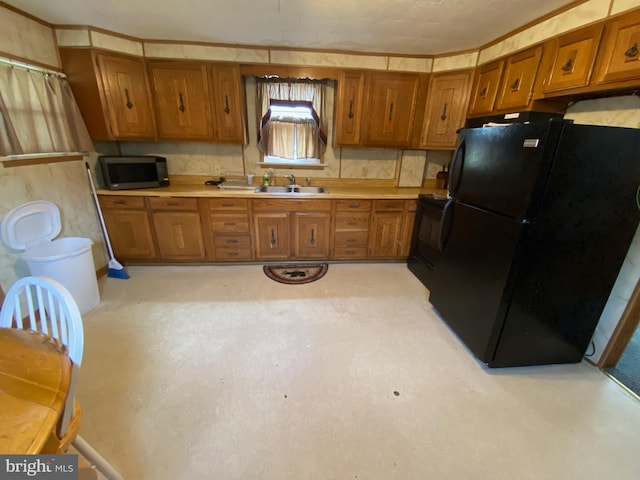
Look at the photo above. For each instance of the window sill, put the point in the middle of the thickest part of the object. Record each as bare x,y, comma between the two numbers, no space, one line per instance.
305,166
39,159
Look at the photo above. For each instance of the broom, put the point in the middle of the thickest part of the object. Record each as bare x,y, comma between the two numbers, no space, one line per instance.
116,270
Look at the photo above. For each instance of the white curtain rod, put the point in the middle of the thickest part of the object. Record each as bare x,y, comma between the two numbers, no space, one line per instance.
26,66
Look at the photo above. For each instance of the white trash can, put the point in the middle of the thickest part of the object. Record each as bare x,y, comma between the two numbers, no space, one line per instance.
32,227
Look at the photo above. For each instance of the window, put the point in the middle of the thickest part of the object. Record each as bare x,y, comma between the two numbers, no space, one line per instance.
291,129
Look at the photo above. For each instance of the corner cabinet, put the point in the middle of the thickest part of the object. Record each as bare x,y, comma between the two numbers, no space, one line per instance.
112,93
446,109
181,99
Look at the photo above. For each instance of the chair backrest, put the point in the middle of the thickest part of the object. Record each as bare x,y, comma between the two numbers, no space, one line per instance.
51,310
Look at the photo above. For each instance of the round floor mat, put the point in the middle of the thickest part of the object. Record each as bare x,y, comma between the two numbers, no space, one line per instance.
296,274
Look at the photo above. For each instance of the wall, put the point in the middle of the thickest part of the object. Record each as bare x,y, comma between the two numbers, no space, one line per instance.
617,112
64,184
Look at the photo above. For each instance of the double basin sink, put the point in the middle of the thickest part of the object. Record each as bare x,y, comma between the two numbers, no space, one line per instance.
290,189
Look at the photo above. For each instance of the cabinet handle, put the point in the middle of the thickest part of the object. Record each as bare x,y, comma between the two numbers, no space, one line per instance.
226,104
181,107
483,92
351,240
354,205
350,109
227,204
516,84
126,96
567,66
391,111
229,223
173,204
228,242
352,223
443,117
232,254
632,51
312,241
273,238
120,202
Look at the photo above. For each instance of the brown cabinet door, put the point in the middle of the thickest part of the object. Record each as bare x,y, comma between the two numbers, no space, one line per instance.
179,235
390,109
130,234
570,59
127,98
311,234
348,116
485,88
181,96
272,235
386,230
228,100
619,59
519,77
446,109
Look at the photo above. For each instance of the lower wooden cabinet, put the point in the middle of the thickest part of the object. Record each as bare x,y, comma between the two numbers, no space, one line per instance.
181,229
351,229
176,224
128,226
292,229
391,224
227,229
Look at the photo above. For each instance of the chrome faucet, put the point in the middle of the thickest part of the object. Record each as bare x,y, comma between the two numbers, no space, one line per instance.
308,181
291,178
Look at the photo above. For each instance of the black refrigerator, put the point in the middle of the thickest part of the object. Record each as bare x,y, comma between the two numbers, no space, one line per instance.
540,219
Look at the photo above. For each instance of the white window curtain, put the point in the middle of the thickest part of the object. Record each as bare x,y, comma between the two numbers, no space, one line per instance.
38,114
274,136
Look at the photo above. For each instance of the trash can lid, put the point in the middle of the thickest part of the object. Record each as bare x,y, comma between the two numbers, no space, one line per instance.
30,224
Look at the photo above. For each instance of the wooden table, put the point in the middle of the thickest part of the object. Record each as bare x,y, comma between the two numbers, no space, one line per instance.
34,381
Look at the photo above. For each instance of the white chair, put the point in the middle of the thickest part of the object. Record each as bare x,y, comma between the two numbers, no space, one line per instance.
52,311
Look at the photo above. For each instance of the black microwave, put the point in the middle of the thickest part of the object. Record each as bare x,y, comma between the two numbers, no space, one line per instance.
134,171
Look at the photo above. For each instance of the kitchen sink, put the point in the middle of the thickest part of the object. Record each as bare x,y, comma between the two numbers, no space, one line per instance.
290,189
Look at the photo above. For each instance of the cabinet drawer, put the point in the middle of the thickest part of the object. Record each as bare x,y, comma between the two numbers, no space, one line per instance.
347,205
389,205
233,254
227,204
158,203
232,241
355,221
350,252
343,239
116,202
297,205
229,223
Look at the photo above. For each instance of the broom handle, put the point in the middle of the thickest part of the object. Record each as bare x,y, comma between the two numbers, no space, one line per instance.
95,199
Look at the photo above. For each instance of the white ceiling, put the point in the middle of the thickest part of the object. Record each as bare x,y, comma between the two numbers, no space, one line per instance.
421,27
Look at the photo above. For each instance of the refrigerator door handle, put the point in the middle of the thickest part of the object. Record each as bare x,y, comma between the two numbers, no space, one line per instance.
445,225
455,172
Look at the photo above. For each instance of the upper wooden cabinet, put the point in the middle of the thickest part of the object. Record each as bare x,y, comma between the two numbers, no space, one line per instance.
112,94
375,109
446,109
485,88
569,59
389,110
348,108
181,99
516,88
228,103
619,57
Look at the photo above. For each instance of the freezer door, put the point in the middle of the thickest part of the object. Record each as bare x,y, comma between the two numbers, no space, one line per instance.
504,169
472,282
